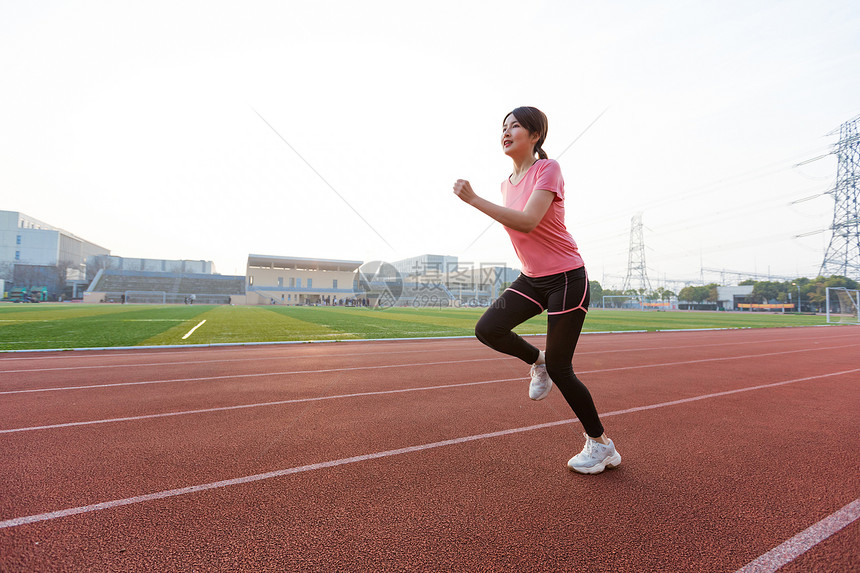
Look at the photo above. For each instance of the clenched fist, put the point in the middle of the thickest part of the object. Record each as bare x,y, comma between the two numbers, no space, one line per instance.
463,190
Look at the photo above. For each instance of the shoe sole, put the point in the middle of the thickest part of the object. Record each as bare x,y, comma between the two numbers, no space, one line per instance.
544,395
610,462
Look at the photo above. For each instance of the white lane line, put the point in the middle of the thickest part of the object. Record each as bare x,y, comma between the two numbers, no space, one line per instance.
397,391
804,541
14,522
410,365
190,332
258,375
386,352
258,405
250,359
114,351
717,359
153,320
232,348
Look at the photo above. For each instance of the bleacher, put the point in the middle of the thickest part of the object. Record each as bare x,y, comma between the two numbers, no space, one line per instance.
156,287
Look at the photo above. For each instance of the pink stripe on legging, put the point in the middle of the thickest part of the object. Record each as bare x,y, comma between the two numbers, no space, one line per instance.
584,293
528,297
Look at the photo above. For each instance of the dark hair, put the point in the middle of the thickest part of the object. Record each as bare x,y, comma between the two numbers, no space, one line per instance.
534,120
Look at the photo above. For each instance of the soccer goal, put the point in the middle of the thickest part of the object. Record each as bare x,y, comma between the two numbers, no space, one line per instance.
145,297
843,305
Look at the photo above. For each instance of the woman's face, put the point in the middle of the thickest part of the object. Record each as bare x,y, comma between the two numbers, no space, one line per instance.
516,139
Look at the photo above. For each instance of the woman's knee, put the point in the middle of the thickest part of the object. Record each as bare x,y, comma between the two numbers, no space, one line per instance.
486,332
559,370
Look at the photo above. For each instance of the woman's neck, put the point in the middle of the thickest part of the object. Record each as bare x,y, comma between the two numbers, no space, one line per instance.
522,165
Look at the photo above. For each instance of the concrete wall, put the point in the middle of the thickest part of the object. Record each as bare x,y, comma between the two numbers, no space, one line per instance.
27,246
97,297
39,247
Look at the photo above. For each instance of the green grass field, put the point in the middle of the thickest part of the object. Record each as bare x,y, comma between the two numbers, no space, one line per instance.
35,326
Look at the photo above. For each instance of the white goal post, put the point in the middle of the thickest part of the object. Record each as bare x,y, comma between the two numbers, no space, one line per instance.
145,297
843,305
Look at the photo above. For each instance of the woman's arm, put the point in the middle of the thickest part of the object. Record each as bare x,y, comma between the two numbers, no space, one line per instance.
524,221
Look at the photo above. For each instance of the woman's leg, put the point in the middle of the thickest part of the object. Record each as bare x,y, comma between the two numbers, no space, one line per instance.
568,304
495,328
562,335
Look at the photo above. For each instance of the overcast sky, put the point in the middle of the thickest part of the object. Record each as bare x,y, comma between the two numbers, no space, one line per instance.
138,126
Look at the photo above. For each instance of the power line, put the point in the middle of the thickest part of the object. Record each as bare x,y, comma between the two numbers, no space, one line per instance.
323,179
736,179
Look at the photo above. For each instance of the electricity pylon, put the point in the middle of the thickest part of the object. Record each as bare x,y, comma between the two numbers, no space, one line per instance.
637,277
843,253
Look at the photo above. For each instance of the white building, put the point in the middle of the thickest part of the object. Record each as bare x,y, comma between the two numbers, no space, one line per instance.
728,297
34,254
426,264
298,281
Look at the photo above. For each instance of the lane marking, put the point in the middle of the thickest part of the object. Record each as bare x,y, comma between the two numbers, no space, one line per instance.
257,375
15,522
228,346
245,359
717,359
257,405
804,541
384,392
190,332
241,348
409,365
424,351
153,320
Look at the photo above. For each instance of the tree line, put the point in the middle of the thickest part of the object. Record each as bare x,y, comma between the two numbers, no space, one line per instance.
812,292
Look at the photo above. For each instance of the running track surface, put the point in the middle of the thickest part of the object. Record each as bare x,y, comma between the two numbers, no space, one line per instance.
740,449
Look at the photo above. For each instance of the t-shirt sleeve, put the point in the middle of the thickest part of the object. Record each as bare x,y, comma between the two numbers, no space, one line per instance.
549,178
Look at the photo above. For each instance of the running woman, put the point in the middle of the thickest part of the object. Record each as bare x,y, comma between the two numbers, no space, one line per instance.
553,278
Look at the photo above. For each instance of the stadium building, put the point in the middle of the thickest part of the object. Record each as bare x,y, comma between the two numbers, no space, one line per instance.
48,263
424,265
480,285
426,280
161,281
300,281
44,261
441,280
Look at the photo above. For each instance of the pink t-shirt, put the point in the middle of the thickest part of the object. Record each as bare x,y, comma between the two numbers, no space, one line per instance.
548,249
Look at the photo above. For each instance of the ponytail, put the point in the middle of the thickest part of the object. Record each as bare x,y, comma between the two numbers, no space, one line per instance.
540,152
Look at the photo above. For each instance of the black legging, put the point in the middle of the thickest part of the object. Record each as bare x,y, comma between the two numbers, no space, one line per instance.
565,296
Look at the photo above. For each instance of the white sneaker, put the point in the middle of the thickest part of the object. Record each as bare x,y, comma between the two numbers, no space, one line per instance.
594,457
541,383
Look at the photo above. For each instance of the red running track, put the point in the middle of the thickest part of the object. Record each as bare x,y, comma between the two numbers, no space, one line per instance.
740,449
